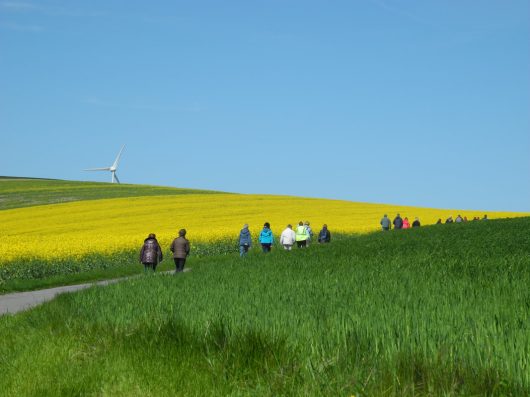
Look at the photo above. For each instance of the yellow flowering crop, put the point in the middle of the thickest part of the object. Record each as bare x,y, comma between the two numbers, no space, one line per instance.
72,230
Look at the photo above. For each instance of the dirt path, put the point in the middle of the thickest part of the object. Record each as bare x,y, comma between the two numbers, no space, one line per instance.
20,301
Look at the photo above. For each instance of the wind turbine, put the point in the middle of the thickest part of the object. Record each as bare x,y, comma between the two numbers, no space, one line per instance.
112,168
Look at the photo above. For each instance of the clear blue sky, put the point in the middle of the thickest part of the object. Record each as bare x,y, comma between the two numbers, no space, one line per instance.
403,102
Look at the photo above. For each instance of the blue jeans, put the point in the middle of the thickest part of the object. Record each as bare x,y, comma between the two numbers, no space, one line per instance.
243,249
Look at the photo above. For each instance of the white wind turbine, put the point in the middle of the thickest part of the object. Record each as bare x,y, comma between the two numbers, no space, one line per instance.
112,168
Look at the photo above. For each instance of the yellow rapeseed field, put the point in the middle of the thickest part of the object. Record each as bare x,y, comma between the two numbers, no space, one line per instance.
103,226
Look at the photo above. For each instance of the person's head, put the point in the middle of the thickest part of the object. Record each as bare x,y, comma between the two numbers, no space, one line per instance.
151,235
289,226
384,216
324,226
459,216
300,223
267,225
306,223
397,215
485,216
182,232
245,226
406,218
416,219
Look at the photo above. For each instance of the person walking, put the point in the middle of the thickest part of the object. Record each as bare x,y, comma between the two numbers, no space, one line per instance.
245,241
406,223
181,249
459,219
151,253
449,220
416,222
385,223
266,238
309,232
301,235
485,217
287,238
398,222
324,236
439,221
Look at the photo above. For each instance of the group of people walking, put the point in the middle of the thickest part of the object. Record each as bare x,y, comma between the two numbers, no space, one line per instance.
302,235
151,253
403,223
398,223
460,219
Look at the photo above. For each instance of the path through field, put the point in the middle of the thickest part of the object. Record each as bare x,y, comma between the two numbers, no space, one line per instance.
20,301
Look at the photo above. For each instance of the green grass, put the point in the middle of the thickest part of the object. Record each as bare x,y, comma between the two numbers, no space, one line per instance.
21,192
435,311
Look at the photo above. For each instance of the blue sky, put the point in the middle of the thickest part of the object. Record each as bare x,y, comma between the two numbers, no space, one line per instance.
404,102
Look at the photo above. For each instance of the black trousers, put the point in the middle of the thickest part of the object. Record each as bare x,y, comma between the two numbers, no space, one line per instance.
150,266
179,264
301,244
266,247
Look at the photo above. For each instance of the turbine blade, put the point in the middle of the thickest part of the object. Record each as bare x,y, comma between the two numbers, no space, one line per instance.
117,161
98,169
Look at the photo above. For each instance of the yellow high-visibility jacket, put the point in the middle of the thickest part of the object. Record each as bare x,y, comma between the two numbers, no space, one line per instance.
301,233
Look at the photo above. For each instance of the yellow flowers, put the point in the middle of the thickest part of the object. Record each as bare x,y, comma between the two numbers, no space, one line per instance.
103,226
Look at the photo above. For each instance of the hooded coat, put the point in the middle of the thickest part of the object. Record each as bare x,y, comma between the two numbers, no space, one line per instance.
266,236
244,237
151,252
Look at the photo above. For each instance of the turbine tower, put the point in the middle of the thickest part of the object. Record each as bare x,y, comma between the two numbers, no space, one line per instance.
113,168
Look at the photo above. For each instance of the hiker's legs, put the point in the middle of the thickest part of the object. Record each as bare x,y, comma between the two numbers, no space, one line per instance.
148,267
182,262
243,249
179,264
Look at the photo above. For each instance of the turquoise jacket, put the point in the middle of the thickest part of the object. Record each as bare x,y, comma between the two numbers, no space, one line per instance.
266,236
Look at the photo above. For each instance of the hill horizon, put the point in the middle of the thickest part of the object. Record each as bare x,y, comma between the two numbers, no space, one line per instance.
191,190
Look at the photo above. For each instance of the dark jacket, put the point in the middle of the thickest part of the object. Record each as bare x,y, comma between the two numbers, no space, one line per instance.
398,222
245,238
324,236
416,224
151,251
180,248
